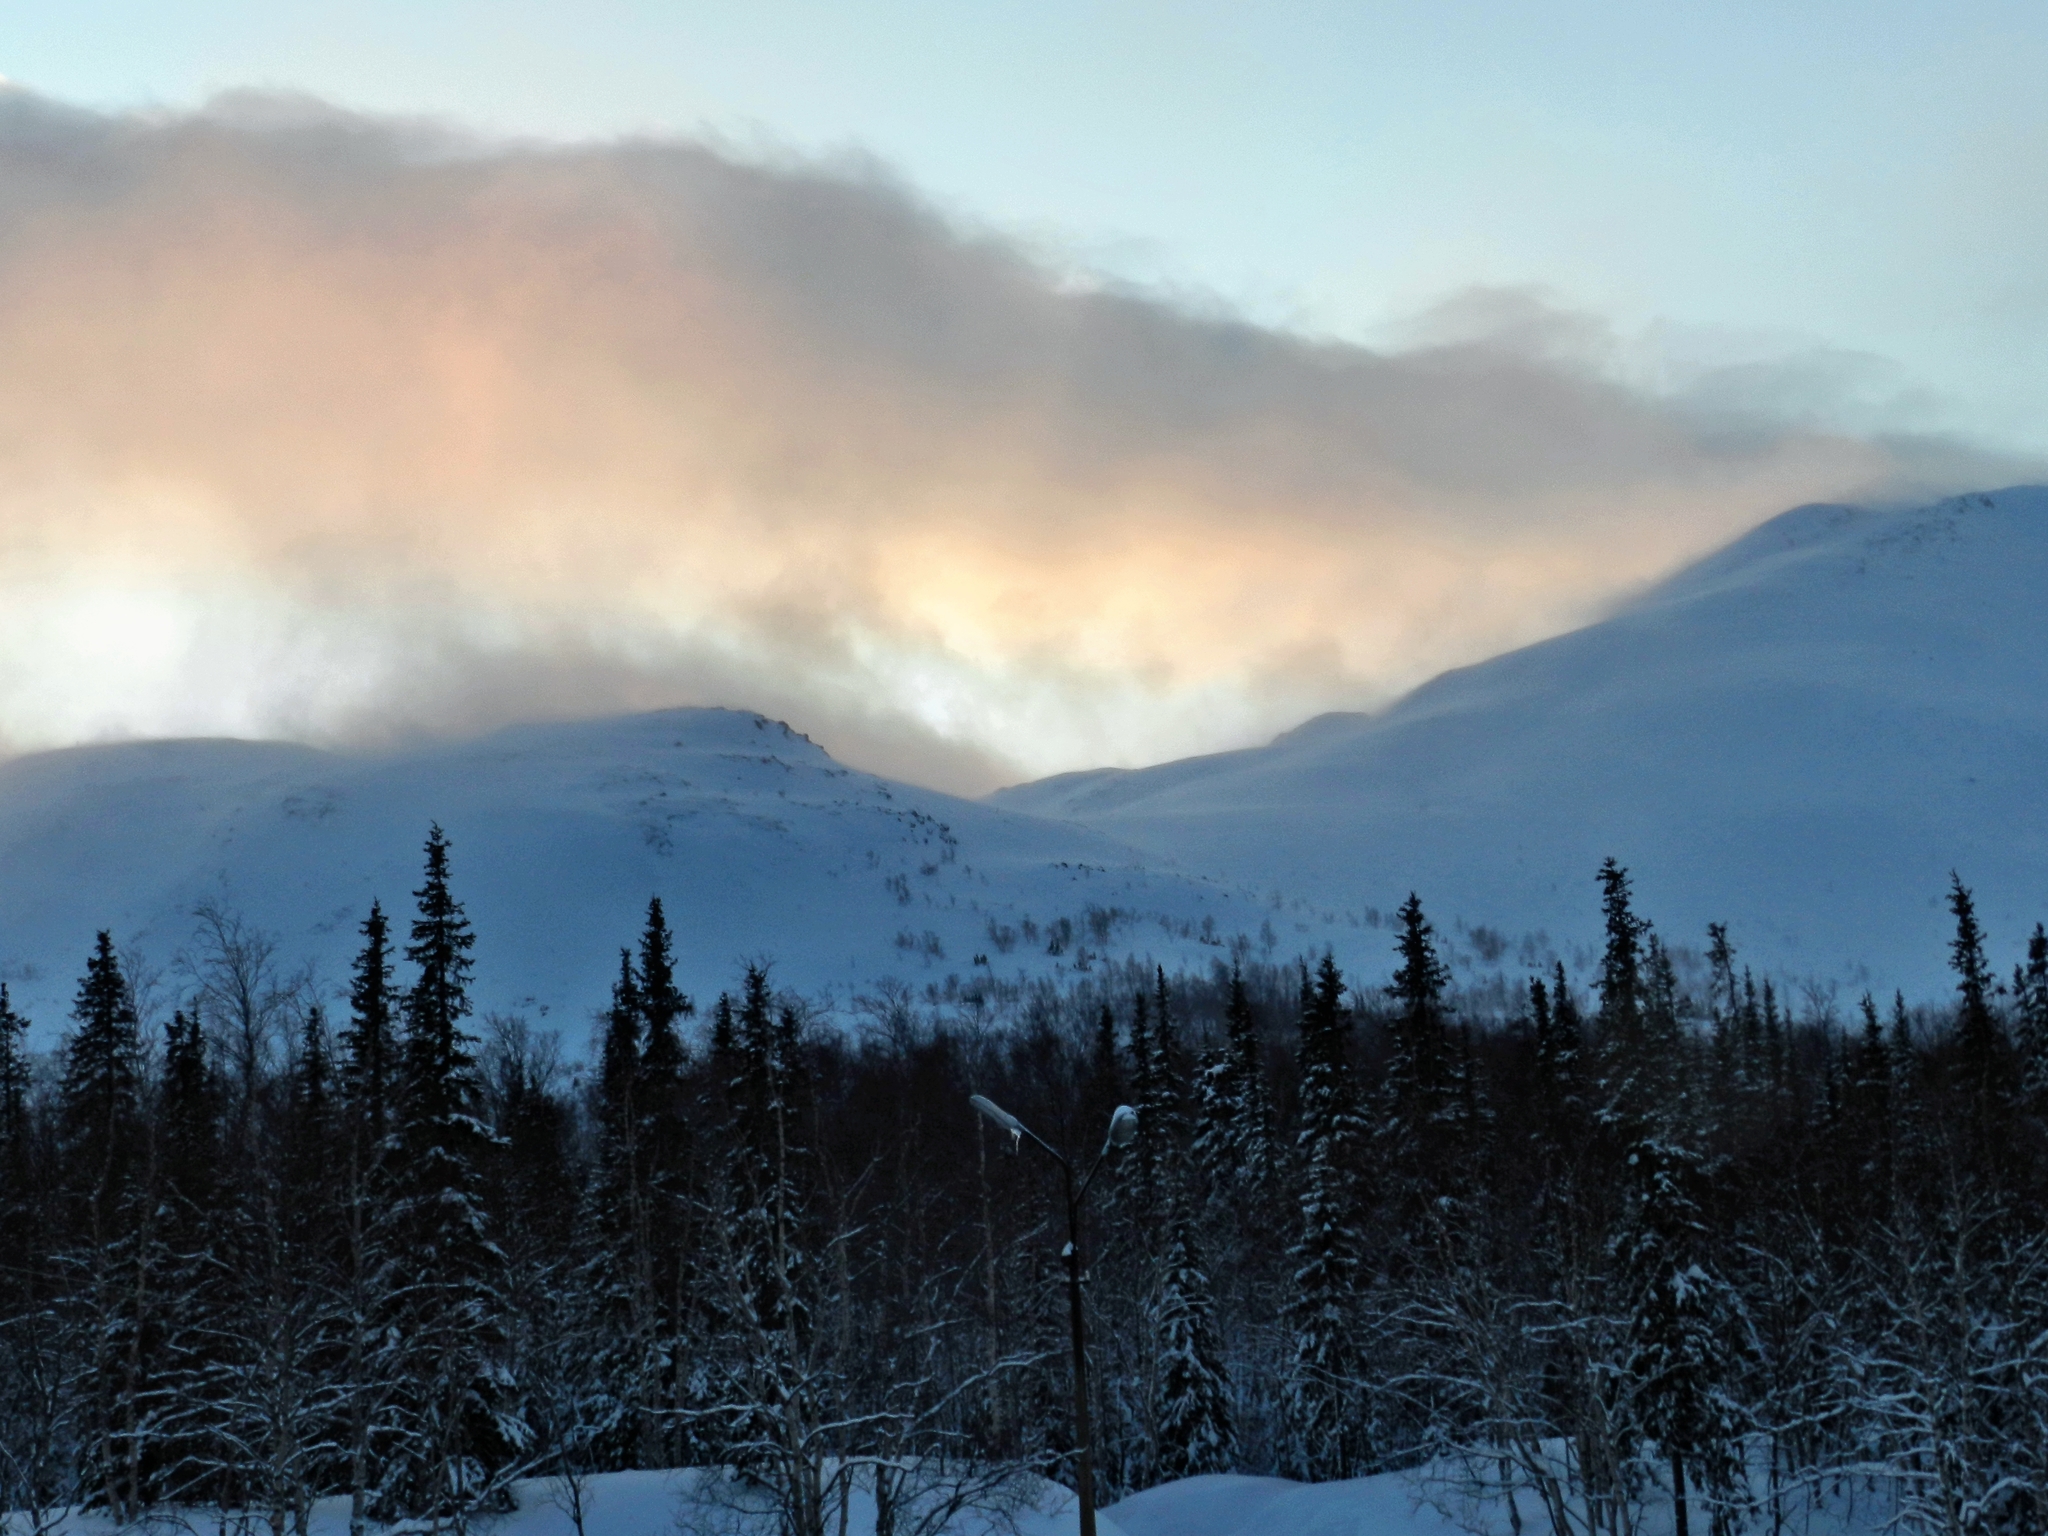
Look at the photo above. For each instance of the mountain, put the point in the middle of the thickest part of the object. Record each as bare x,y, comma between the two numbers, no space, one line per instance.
759,844
1800,736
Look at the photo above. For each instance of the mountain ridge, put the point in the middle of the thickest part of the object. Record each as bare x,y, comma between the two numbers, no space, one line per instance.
761,845
1861,694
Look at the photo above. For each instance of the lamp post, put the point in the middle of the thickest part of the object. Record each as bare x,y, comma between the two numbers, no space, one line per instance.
1123,1130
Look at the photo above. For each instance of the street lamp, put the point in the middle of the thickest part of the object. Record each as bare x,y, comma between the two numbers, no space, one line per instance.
1123,1130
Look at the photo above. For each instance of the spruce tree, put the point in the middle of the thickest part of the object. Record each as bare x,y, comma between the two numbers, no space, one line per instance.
1105,1071
102,1143
1684,1335
1868,1117
618,1078
1235,1139
189,1116
457,1427
622,1215
2030,1018
662,1003
667,1150
1721,993
1622,1038
1165,1115
757,1190
371,1084
102,1113
370,1071
313,1185
28,1331
1326,1437
1980,1068
1192,1396
15,1137
1145,1092
727,1064
1554,1019
1422,1087
195,1277
1663,1066
198,1270
772,1399
1157,1082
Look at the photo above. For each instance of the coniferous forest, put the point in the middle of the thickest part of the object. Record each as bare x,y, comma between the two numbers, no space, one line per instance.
1626,1237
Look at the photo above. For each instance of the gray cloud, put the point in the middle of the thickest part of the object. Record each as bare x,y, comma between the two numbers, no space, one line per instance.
349,428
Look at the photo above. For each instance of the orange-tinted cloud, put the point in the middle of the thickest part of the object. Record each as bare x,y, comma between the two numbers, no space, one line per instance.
344,428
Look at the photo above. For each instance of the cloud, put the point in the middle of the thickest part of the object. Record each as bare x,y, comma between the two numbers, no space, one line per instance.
349,429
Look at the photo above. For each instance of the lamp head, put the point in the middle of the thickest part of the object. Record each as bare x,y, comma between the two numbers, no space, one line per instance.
1123,1126
1002,1117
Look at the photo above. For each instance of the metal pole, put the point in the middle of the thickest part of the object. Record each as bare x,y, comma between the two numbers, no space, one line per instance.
1123,1129
1084,1478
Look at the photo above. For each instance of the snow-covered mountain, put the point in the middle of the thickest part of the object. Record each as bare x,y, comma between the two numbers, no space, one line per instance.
759,844
1799,736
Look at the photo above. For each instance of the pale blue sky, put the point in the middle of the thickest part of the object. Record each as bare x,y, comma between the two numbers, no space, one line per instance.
1721,181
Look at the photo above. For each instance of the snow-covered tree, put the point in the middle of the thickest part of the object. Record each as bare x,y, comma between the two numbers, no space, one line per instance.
1620,1027
1326,1433
1685,1331
15,1131
1980,1051
1422,1127
1191,1392
454,1431
371,1062
1234,1107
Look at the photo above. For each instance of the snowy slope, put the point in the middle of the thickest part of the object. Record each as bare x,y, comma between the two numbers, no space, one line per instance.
758,843
1800,736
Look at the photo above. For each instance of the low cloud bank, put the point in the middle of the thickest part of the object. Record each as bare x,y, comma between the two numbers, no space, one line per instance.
350,429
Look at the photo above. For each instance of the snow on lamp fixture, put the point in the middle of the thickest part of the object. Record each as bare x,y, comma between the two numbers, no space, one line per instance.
1123,1128
1006,1120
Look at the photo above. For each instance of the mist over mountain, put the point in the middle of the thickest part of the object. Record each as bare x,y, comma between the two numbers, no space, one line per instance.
1800,736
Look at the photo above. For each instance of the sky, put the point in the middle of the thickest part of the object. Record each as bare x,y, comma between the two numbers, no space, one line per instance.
989,389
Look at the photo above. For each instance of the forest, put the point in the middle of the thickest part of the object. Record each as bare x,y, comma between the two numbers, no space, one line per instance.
1625,1239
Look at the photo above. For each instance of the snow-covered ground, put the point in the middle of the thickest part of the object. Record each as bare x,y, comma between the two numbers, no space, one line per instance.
679,1503
759,844
1799,736
1229,1505
689,1503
